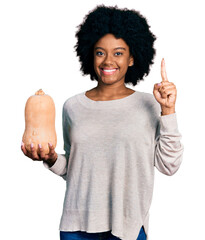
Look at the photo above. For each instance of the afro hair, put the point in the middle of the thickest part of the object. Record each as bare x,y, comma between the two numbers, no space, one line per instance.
127,24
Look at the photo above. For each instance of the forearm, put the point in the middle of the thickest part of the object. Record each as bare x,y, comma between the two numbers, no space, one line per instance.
168,149
59,167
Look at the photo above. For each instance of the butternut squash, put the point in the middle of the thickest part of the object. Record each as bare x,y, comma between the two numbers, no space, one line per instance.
39,122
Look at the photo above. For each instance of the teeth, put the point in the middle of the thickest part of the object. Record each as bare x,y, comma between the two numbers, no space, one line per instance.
110,70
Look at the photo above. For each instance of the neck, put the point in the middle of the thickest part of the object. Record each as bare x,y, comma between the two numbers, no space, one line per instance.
110,90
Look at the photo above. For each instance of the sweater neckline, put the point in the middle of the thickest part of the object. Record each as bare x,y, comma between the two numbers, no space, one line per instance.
86,101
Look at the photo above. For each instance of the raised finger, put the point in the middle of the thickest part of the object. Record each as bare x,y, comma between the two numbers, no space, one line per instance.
163,71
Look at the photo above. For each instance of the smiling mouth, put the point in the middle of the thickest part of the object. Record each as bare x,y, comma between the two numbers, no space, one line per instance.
108,71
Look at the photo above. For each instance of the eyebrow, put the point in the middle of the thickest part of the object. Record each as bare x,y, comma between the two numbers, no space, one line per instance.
114,48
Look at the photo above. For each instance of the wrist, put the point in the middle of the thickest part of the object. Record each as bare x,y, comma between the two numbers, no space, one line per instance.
51,162
167,111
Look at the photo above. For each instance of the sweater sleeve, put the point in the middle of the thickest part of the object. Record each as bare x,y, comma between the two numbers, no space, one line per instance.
168,148
61,164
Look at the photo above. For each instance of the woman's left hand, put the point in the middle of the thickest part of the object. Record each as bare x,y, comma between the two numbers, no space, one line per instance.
165,93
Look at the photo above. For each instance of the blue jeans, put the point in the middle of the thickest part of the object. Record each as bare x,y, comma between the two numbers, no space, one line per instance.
81,235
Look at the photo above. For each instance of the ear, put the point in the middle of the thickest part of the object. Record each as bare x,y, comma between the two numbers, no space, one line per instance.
131,61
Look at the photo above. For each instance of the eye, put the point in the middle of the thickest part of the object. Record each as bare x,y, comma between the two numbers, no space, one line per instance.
99,53
118,53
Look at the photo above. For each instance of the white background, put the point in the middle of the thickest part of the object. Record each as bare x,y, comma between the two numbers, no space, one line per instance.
37,41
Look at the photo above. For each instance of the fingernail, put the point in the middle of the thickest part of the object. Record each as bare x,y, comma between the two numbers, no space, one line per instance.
39,145
159,84
31,144
22,143
50,144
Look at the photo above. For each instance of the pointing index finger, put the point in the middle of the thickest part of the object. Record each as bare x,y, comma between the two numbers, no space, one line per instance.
163,71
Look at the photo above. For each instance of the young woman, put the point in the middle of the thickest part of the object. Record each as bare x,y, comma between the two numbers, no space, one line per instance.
114,136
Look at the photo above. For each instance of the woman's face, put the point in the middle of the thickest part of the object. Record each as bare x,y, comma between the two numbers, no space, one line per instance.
111,59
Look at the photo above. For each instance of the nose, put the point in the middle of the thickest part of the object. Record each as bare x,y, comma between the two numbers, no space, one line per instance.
108,60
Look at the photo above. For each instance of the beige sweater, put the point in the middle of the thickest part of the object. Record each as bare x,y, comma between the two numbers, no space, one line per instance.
111,151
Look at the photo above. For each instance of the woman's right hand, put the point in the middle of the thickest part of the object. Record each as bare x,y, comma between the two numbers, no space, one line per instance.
49,158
